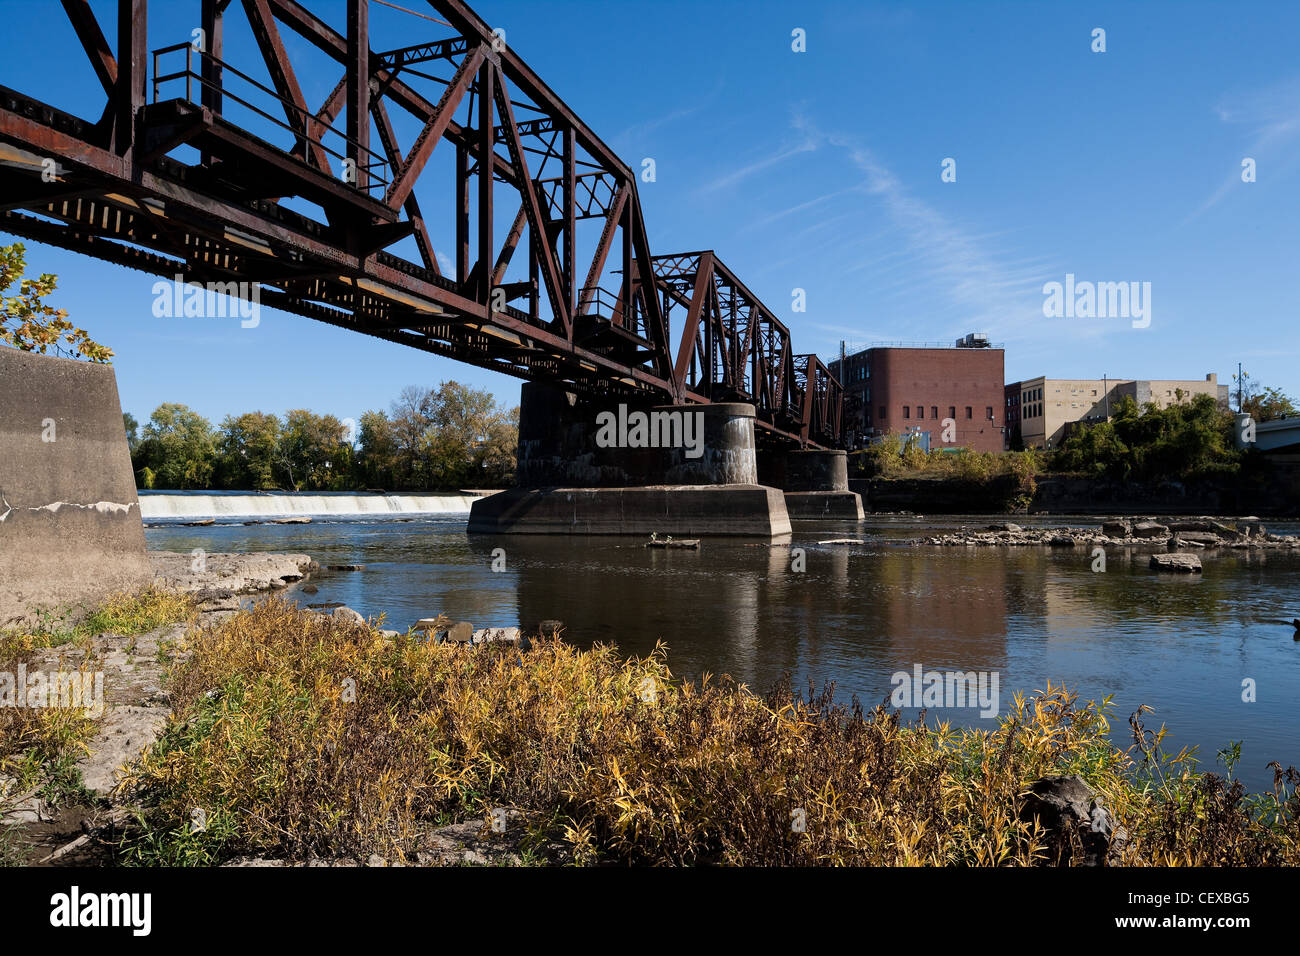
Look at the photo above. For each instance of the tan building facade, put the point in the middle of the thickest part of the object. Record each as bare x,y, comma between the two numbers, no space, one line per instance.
1047,406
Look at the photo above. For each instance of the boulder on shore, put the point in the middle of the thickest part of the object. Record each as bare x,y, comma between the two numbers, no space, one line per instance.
347,615
1072,816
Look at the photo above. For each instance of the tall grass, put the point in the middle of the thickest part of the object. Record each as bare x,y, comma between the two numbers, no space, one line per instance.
295,735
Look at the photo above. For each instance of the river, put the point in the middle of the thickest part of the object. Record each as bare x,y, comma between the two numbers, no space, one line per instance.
858,614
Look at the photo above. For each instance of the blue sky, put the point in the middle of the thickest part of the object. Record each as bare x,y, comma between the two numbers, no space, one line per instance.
820,171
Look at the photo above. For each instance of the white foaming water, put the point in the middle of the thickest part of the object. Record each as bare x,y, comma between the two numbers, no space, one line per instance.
235,504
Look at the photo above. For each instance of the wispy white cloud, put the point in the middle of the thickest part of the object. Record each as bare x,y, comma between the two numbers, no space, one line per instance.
800,207
634,136
744,172
985,288
807,141
1271,116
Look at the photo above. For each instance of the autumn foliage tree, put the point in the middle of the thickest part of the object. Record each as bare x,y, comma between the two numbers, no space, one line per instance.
28,324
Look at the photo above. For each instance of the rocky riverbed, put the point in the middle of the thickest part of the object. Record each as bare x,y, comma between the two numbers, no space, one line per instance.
1186,534
216,577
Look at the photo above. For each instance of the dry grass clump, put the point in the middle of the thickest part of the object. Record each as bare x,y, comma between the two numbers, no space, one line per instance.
296,735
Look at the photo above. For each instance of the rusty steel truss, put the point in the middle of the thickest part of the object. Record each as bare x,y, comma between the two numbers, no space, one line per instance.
197,168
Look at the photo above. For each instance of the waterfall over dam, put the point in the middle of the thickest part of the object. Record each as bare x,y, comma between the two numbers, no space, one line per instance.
161,505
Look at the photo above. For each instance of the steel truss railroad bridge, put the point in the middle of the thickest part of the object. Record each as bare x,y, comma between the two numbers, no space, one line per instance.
258,158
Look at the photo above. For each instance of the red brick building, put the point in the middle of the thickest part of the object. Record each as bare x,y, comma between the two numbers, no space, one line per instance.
901,389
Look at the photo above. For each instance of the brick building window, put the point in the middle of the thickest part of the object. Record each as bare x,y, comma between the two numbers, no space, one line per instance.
882,413
952,412
934,411
907,411
920,411
989,413
968,411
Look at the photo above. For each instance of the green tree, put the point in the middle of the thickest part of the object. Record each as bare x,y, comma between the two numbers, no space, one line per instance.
132,431
412,416
1186,440
1261,402
377,460
28,324
471,438
247,448
313,455
497,454
178,447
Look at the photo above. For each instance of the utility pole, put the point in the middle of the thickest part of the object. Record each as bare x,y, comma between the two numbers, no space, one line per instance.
1105,387
1239,409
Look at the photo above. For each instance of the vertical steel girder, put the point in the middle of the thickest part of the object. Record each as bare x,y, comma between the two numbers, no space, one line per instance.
516,145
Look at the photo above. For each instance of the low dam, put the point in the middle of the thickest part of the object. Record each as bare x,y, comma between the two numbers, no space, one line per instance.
192,505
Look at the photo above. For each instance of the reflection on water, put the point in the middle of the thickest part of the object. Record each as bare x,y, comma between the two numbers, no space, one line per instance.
858,613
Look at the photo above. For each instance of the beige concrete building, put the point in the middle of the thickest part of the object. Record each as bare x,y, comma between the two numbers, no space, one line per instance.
1045,407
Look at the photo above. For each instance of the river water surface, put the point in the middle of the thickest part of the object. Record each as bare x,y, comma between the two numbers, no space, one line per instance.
859,613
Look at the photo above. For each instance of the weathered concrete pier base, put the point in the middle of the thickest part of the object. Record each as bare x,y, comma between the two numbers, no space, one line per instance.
70,531
607,467
816,484
678,510
824,505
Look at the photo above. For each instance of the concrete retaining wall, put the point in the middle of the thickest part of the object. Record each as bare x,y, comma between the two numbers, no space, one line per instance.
1274,492
70,531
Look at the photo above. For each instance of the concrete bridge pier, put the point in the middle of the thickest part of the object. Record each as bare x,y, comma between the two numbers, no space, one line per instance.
603,466
815,482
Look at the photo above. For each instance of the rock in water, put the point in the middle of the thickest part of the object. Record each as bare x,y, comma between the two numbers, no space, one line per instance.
1180,562
1117,529
487,635
1149,529
462,632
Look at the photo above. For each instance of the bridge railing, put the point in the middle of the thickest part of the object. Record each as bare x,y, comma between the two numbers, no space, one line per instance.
372,176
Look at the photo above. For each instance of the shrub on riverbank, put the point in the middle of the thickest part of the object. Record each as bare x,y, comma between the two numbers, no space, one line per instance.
296,736
888,459
1185,441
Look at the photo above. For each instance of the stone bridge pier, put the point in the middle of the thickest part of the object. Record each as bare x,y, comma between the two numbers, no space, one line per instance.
604,466
815,482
